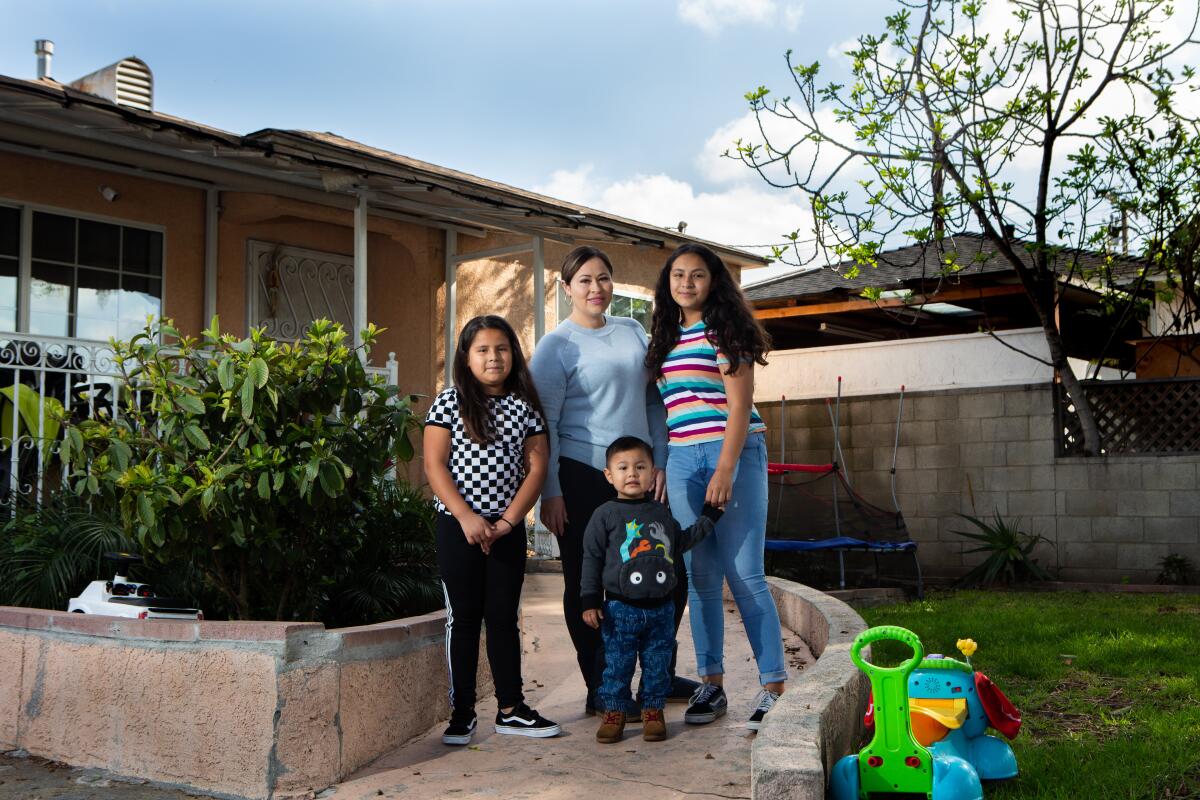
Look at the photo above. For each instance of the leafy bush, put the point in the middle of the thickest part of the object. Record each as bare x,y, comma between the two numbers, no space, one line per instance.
1010,553
49,554
256,463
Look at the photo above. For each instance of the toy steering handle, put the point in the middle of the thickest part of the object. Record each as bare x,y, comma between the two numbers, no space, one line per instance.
884,633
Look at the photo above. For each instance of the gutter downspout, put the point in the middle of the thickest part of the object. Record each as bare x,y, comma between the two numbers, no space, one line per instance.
360,268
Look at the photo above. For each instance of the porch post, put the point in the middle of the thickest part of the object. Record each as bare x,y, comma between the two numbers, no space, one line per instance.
211,209
360,267
451,305
539,288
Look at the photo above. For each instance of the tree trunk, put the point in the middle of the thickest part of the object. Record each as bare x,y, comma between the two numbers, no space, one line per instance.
1083,407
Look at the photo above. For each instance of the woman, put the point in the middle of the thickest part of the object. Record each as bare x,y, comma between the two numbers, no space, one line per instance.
704,344
589,373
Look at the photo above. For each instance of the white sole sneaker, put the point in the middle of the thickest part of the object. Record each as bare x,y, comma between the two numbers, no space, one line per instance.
703,719
460,739
536,733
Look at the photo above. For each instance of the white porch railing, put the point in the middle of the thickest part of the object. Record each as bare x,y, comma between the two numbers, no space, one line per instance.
38,374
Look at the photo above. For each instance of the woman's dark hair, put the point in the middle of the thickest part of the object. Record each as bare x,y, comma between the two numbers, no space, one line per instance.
727,316
580,256
472,400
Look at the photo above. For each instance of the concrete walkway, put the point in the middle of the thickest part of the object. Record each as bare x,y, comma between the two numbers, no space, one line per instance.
701,760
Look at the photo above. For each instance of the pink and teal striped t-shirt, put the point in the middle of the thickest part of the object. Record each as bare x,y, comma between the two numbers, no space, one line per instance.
694,392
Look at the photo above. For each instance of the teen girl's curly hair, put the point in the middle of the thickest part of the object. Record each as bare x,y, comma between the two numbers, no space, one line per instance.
731,324
472,400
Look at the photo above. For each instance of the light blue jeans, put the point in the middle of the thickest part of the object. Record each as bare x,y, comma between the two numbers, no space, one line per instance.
733,552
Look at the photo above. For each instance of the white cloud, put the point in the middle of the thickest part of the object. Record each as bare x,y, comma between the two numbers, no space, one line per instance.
711,16
739,216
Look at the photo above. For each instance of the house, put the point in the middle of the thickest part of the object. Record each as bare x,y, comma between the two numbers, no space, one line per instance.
949,405
935,325
111,210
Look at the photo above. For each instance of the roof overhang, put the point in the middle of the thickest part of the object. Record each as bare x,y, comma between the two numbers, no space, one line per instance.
49,120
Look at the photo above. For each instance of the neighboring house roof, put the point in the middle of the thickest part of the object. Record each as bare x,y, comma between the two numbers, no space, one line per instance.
902,266
322,164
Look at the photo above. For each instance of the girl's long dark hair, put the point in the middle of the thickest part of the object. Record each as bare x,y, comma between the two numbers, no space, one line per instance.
727,316
472,400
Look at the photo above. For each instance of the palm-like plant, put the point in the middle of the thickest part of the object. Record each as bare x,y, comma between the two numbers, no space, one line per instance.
1010,552
48,554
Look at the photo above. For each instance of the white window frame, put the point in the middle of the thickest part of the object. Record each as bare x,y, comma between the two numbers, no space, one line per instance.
25,256
560,294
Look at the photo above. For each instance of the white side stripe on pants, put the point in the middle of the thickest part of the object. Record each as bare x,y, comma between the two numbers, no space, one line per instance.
449,628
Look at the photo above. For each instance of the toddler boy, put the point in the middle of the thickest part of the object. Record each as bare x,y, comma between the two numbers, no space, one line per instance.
629,552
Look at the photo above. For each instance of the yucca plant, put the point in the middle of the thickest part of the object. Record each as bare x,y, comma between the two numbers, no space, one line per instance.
1010,552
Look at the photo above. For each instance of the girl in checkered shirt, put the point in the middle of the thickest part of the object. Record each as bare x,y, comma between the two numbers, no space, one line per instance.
486,452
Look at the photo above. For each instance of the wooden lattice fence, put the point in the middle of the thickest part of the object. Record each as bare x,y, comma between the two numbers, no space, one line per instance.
1143,417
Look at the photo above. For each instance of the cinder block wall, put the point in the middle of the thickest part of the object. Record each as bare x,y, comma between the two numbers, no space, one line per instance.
982,451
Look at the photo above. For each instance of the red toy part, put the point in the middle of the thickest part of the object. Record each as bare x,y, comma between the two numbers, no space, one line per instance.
869,717
1001,713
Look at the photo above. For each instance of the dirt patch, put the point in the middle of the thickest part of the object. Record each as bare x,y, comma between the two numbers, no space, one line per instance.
1082,705
26,777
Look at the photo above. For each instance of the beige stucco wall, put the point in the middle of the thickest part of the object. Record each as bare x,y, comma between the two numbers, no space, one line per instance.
68,188
241,709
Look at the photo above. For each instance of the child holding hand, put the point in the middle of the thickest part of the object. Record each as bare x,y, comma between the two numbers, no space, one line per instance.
629,552
485,458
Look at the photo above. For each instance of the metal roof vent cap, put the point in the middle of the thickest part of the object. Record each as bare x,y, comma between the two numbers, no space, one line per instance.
128,82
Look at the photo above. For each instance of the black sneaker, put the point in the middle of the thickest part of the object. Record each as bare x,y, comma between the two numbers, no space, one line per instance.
524,721
708,703
682,689
762,704
461,727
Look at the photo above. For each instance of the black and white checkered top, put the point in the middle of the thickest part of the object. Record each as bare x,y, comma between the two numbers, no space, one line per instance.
487,476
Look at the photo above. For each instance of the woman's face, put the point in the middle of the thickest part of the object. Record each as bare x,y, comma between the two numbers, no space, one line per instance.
690,282
490,359
591,288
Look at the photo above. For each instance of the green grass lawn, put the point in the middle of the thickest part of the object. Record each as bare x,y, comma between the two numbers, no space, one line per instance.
1108,685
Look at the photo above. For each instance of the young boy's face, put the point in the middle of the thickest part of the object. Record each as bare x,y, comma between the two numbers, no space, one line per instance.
631,472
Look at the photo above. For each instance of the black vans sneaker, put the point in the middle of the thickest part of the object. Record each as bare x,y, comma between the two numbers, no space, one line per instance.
461,727
524,721
708,703
762,704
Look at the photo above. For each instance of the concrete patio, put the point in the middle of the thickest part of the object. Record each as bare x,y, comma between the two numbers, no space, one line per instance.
704,761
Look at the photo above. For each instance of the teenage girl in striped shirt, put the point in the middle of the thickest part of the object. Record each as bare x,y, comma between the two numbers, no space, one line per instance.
704,345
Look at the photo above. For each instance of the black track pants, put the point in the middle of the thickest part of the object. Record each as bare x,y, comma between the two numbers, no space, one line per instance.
482,589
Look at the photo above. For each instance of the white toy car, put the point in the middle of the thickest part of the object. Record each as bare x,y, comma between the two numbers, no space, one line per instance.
122,598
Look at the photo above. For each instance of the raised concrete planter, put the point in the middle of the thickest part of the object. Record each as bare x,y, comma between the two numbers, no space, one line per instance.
819,718
235,709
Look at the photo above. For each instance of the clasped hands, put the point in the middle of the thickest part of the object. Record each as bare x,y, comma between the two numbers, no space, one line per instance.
481,532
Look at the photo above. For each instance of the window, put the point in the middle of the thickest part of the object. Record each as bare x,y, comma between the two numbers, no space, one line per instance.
87,279
623,305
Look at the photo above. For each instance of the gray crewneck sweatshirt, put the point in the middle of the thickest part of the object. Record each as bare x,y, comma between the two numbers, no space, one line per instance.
595,388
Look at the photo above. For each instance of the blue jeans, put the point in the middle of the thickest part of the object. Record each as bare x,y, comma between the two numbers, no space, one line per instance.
629,633
733,552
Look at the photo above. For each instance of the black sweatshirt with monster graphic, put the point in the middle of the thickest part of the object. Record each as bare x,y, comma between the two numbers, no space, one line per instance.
630,548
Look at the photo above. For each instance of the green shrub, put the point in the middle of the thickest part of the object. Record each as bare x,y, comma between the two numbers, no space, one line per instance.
49,554
254,463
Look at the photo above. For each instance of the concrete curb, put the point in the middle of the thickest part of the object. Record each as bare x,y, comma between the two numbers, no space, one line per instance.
819,718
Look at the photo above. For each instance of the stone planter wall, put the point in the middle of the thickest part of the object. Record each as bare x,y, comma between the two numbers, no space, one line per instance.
819,718
256,710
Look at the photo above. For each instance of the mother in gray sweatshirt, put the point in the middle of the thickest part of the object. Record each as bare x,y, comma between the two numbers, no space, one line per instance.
594,388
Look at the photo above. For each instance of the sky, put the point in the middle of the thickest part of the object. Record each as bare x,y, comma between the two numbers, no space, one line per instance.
621,105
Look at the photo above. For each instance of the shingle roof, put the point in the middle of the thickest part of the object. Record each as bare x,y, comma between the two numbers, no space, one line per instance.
901,266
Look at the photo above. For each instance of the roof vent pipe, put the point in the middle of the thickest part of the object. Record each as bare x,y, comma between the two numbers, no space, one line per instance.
44,48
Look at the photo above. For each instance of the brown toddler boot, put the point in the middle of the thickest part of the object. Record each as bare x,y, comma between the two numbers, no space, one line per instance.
612,726
654,725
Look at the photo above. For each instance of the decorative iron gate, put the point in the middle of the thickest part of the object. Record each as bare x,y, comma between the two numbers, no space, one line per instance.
290,287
